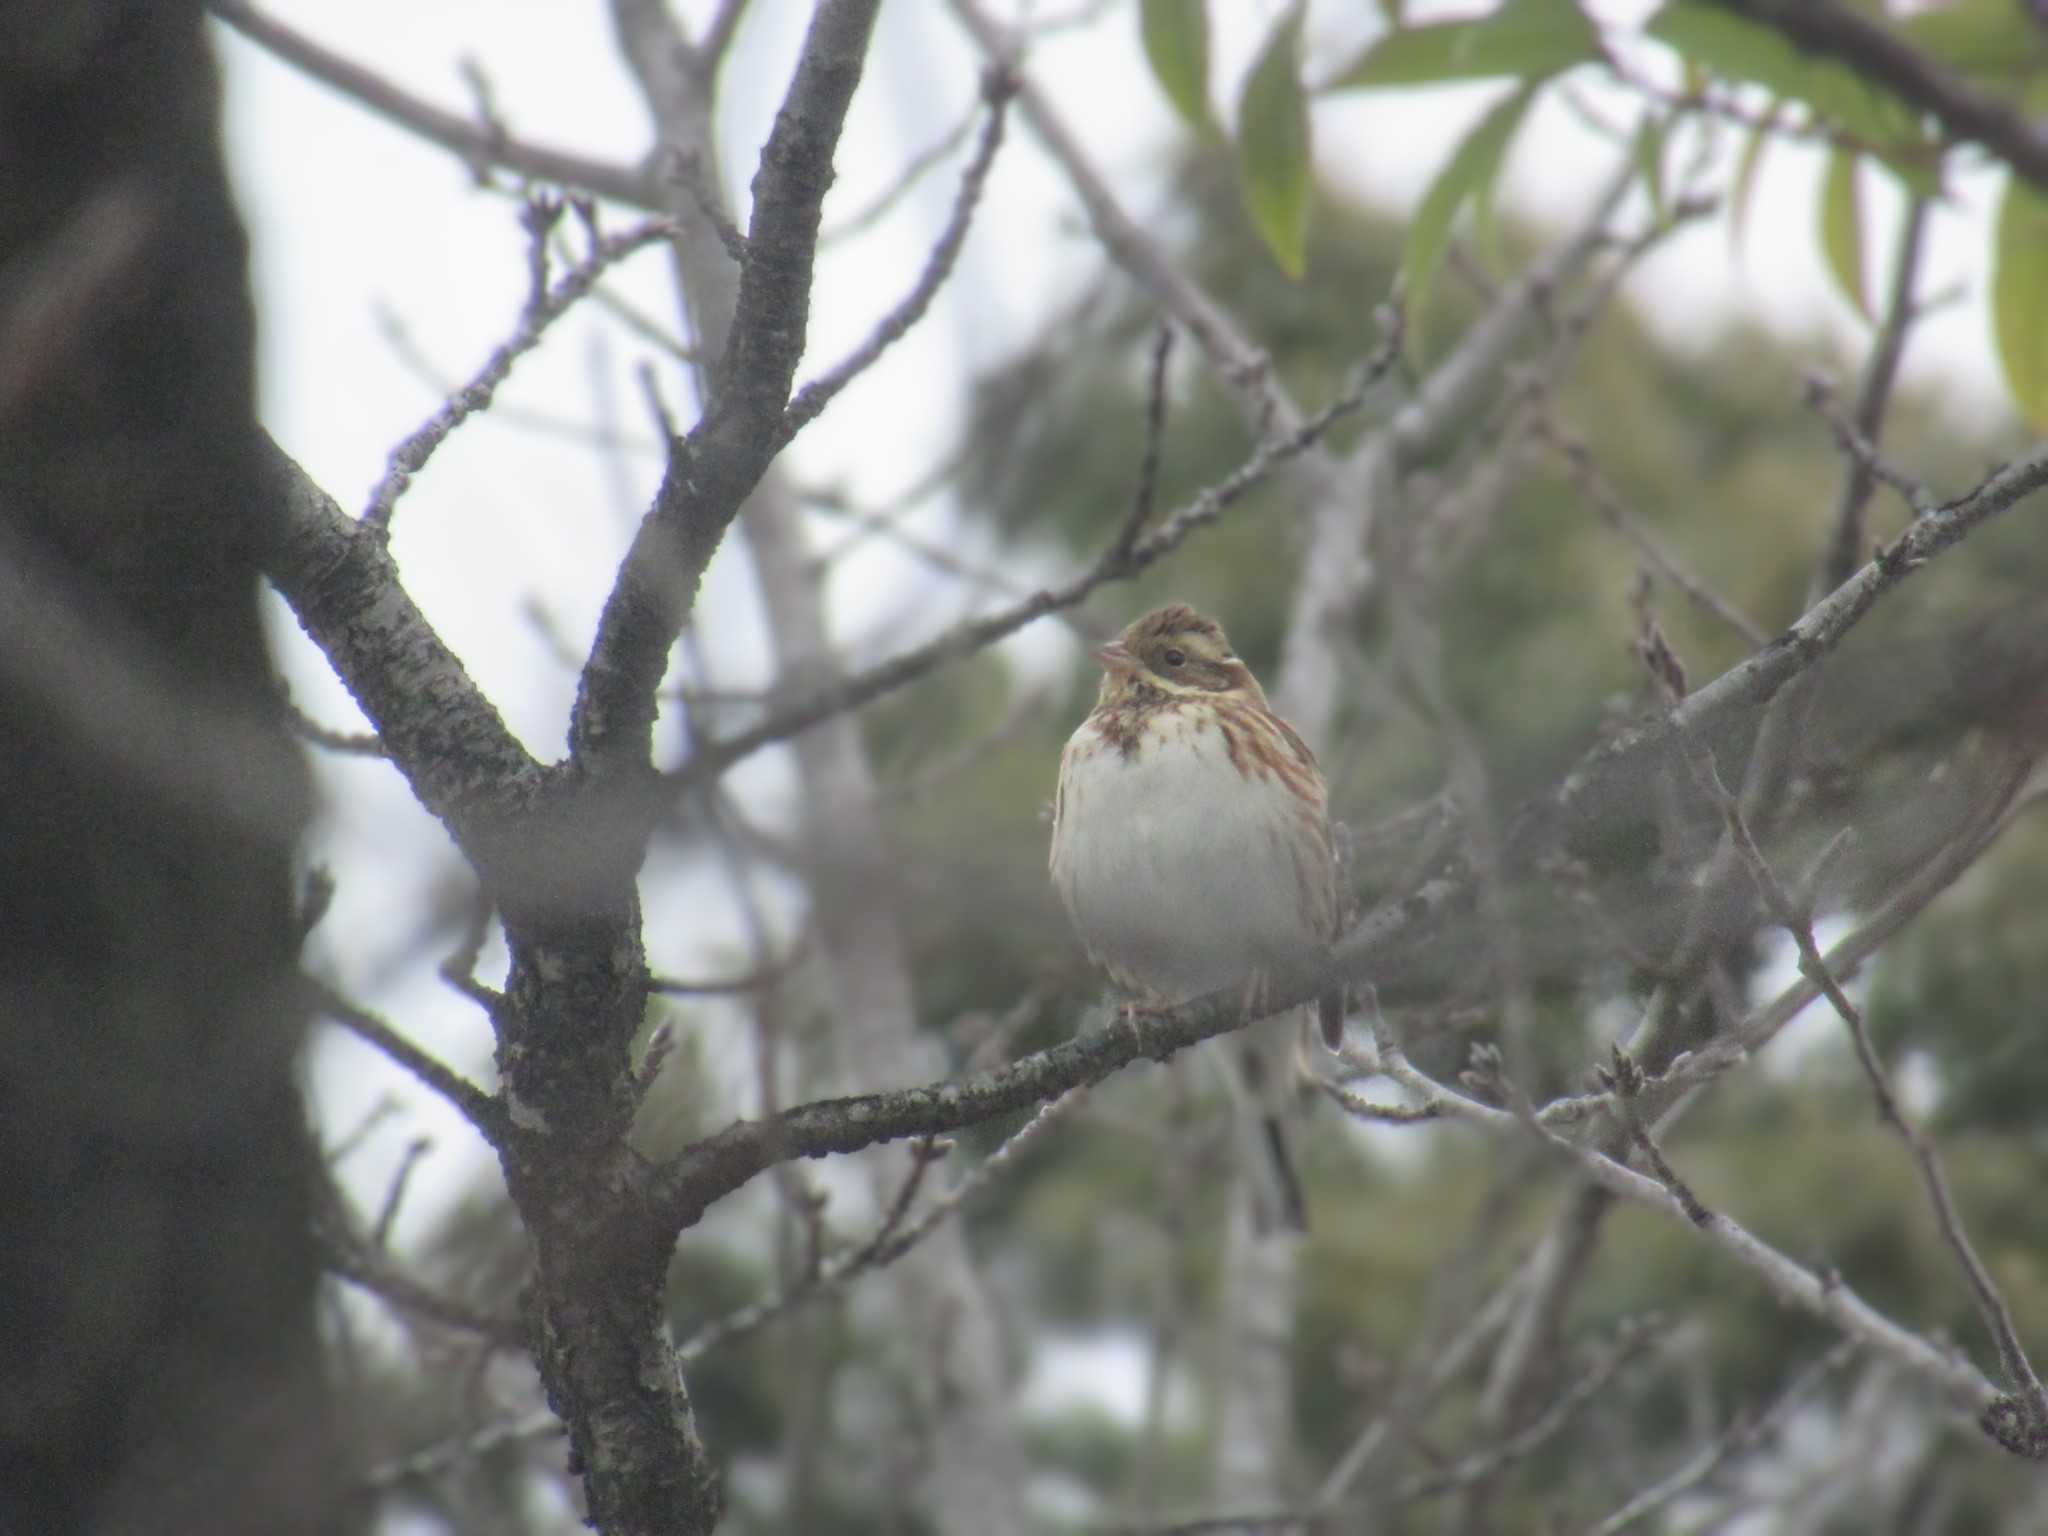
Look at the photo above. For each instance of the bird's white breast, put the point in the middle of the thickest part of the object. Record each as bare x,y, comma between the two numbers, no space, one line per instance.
1182,873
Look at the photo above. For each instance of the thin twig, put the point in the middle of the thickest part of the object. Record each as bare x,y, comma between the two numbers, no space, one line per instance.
1624,1083
386,1281
913,172
1147,489
997,88
394,1194
1633,1339
1759,678
480,1109
890,1241
1848,541
459,969
888,525
934,773
711,48
1744,1433
769,975
544,306
1362,1108
1820,395
1656,556
1886,59
1208,505
2028,1437
1261,398
475,144
348,1255
1825,1295
443,1455
351,743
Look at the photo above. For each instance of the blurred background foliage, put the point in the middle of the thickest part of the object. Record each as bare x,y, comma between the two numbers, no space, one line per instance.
1107,1230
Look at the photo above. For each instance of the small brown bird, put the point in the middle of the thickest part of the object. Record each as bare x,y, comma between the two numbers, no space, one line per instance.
1191,836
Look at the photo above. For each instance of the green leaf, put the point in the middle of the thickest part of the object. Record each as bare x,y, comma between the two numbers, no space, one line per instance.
1746,167
1469,175
1734,48
1841,227
1273,146
1176,36
2019,297
1530,39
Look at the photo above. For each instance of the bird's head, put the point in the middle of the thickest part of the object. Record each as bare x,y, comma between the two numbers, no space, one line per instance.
1177,652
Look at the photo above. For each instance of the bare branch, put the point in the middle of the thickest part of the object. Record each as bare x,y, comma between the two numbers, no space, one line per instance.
1467,1471
890,1241
715,1166
1869,463
394,1194
1754,681
768,976
1741,1435
1624,1082
997,89
1831,30
480,1109
2026,1431
711,471
442,1456
913,171
349,743
1846,546
544,306
478,145
1242,366
718,34
1359,1107
390,1284
977,634
1656,556
1824,1295
1147,488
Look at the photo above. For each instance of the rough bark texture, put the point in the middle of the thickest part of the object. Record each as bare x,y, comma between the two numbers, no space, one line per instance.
973,1470
158,1281
558,848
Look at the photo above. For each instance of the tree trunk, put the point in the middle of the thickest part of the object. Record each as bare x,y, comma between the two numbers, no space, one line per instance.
158,1282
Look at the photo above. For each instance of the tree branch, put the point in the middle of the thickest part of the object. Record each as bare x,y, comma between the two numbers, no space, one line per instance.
544,305
889,1242
1880,55
480,1109
812,399
721,1163
477,144
443,734
711,471
2023,1429
976,634
1823,1295
1753,682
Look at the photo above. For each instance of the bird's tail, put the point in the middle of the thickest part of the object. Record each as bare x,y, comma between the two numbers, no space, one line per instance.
1269,1113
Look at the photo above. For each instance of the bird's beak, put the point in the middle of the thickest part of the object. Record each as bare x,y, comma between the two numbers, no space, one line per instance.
1115,657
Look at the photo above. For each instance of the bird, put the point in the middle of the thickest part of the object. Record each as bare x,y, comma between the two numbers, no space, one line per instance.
1191,845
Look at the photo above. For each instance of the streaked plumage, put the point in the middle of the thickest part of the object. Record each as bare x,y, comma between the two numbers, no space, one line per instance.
1191,836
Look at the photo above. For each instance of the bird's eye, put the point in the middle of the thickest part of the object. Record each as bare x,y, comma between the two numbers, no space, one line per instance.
1175,657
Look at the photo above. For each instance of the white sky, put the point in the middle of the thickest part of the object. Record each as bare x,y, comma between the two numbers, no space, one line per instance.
353,219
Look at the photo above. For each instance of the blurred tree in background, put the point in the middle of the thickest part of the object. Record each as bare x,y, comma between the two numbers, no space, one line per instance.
1667,693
